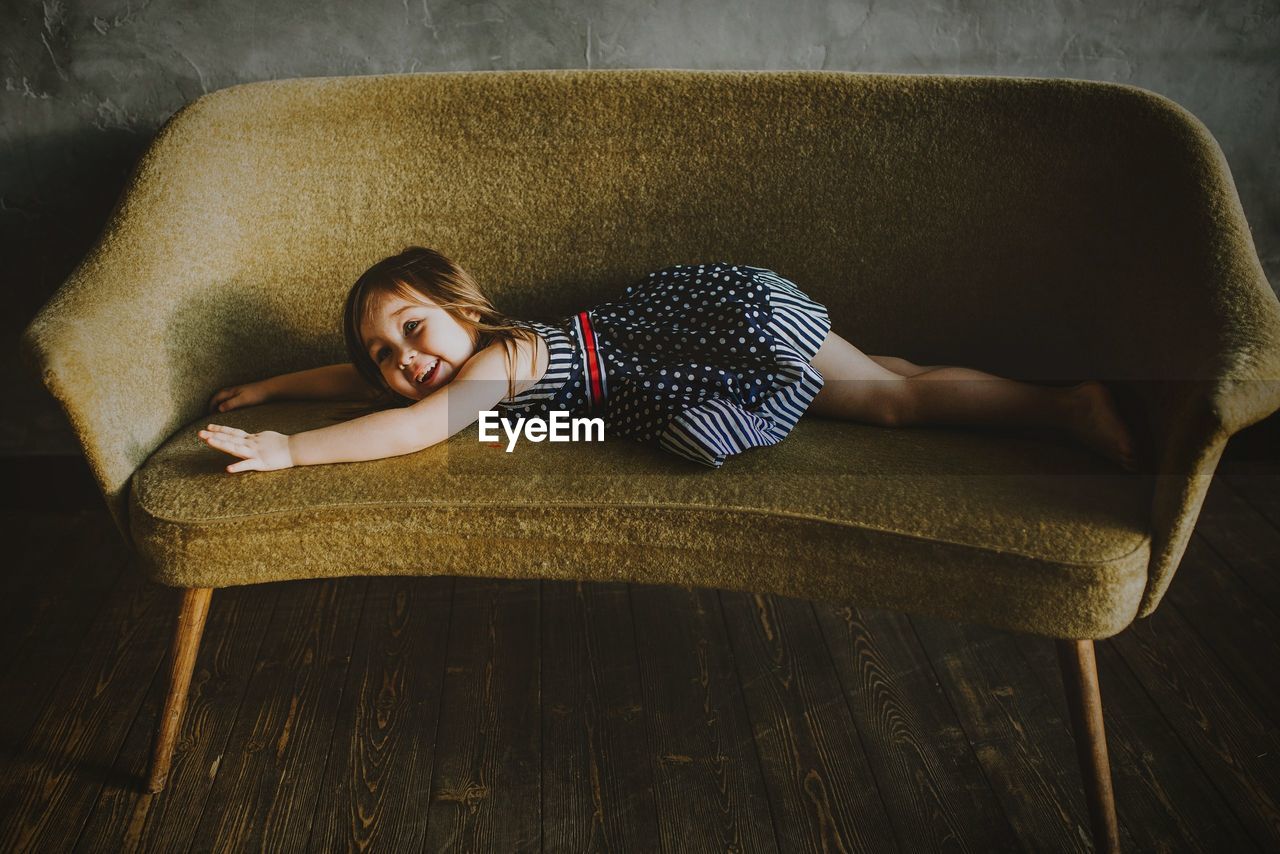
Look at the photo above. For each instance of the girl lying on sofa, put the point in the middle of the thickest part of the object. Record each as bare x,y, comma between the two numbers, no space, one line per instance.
705,360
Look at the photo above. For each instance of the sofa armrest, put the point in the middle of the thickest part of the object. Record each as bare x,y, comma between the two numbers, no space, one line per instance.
1190,425
121,345
1226,343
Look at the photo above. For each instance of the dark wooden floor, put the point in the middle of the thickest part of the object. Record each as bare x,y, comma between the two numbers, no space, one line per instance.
460,714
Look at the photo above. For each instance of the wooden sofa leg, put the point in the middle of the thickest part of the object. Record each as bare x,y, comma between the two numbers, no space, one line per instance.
1084,701
186,642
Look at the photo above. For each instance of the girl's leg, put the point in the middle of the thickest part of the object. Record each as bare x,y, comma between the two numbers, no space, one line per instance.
901,367
865,388
855,386
860,388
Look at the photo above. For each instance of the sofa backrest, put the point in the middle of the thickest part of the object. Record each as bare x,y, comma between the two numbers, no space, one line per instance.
1016,225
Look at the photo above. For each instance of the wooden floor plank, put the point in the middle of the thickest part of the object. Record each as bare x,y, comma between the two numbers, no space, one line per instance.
1163,797
930,779
237,624
708,783
377,783
1232,742
47,570
1233,523
59,770
486,785
1258,481
1236,624
79,573
823,793
269,775
1021,737
597,777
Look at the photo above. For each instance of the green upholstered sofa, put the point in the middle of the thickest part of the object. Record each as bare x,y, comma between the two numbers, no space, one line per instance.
1049,230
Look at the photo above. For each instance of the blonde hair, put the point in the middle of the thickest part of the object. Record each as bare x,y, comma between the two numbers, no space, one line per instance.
415,273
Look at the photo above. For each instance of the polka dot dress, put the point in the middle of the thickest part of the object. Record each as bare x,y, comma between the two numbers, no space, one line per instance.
706,360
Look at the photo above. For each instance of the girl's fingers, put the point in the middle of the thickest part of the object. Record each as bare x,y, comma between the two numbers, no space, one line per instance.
231,446
223,438
233,440
235,431
235,452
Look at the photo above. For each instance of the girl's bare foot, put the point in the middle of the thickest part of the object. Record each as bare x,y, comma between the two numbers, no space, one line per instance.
1097,423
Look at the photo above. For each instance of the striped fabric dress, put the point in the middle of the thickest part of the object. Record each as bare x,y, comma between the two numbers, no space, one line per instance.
706,360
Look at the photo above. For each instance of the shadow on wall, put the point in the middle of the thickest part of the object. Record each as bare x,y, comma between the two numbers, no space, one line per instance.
58,193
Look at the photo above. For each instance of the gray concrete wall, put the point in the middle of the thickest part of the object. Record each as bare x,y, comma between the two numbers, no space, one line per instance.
86,83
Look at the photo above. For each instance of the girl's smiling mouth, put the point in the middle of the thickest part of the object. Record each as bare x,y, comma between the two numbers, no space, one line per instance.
427,375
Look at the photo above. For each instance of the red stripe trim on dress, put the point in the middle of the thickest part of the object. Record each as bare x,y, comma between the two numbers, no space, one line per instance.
595,371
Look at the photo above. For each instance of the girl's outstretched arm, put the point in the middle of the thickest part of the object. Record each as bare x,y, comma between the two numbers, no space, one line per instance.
340,382
331,382
480,384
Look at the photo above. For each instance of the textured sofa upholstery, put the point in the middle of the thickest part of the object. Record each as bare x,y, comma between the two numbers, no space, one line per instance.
1050,230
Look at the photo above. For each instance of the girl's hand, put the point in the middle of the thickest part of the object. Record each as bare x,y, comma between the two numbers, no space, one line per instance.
265,451
236,396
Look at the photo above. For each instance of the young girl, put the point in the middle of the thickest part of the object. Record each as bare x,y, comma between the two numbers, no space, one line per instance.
706,360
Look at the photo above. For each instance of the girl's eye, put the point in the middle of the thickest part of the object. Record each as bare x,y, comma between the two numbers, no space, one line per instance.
408,327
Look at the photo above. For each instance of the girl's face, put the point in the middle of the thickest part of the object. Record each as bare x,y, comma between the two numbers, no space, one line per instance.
417,346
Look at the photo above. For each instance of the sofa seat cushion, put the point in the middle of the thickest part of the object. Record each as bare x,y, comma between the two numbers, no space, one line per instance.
1021,530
